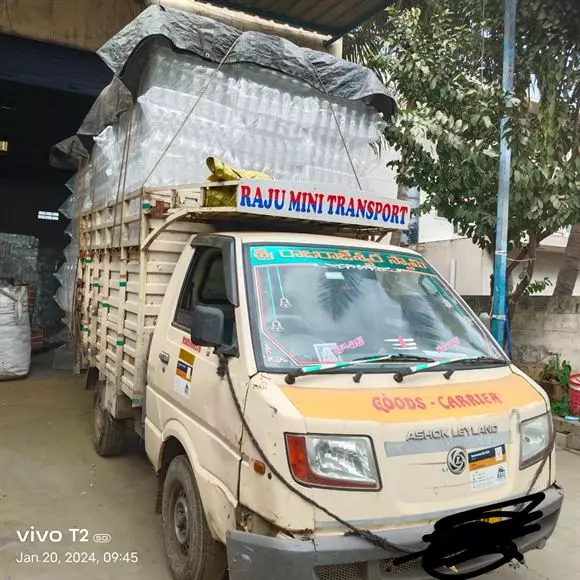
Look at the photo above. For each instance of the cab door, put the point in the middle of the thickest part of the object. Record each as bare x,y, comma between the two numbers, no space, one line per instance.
190,391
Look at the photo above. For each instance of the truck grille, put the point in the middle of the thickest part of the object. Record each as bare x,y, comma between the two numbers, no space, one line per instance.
386,566
359,571
341,572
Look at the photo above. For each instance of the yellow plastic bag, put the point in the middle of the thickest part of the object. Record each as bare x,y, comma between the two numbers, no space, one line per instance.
226,196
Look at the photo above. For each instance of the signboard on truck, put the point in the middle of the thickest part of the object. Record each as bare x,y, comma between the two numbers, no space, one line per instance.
325,203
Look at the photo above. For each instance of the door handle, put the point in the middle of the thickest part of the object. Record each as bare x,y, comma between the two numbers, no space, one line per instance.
164,357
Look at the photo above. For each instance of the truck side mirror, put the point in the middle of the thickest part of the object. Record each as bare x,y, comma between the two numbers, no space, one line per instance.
207,326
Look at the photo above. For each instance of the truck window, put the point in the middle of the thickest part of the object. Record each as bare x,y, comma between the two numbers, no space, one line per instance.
205,284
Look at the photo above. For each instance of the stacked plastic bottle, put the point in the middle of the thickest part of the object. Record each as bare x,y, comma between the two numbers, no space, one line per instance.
248,116
66,274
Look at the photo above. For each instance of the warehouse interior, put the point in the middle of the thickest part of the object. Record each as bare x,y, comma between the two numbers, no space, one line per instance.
45,92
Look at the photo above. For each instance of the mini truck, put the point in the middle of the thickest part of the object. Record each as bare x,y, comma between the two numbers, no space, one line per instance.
311,400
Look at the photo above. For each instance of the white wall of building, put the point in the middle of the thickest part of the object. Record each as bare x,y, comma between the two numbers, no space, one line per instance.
465,266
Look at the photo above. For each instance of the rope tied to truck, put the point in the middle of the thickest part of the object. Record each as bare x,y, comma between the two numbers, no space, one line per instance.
208,84
456,539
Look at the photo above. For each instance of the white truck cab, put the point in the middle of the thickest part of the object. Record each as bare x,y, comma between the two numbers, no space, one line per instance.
312,403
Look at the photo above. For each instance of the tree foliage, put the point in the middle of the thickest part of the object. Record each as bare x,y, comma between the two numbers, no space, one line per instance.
448,68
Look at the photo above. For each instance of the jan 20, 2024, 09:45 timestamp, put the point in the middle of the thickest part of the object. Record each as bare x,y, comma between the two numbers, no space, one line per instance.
52,557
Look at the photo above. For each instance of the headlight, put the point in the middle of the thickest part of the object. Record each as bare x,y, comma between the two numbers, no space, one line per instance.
535,439
333,461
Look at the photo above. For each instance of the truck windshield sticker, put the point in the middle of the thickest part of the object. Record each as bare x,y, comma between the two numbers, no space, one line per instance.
454,342
488,468
327,352
338,258
307,303
350,345
183,373
401,343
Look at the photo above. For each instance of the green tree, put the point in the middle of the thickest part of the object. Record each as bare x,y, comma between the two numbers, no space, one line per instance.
448,67
568,273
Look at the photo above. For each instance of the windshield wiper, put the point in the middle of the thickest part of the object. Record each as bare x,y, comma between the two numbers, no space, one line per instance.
290,378
465,360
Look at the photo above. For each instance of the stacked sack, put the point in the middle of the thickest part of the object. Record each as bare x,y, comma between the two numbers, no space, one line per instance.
14,332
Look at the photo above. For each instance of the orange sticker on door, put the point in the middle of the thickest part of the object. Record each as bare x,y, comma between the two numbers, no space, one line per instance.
183,373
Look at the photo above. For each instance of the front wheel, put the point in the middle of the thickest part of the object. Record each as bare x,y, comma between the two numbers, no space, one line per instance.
108,432
192,552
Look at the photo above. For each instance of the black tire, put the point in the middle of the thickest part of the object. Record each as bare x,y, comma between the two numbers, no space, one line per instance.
192,552
108,432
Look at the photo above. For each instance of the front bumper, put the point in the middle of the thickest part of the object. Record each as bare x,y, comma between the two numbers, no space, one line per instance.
254,557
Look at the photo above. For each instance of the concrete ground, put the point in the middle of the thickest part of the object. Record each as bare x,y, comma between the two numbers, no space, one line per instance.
51,478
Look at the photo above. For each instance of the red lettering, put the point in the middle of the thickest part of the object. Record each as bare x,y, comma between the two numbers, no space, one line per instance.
331,201
340,204
387,212
377,404
479,400
410,403
187,342
404,210
472,400
361,207
486,398
441,402
295,201
388,404
378,208
462,401
452,403
420,403
311,202
495,398
245,192
400,403
395,214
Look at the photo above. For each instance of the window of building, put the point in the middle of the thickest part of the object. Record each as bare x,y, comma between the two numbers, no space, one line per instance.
48,215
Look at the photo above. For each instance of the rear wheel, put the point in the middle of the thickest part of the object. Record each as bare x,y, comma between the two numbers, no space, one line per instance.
108,432
192,552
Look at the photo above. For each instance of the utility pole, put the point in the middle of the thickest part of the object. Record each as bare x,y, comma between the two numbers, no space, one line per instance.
503,194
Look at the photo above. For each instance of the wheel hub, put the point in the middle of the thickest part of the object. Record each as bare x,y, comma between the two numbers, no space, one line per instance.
181,520
99,419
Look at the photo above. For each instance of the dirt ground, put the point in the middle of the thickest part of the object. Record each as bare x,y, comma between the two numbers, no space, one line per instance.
52,480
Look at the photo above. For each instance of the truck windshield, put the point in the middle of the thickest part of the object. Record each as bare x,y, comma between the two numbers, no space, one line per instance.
324,304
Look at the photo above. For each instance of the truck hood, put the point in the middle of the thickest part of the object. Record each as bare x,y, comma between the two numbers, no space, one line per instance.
414,429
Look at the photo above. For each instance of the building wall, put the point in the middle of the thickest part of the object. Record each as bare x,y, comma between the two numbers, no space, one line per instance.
382,178
461,262
544,326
